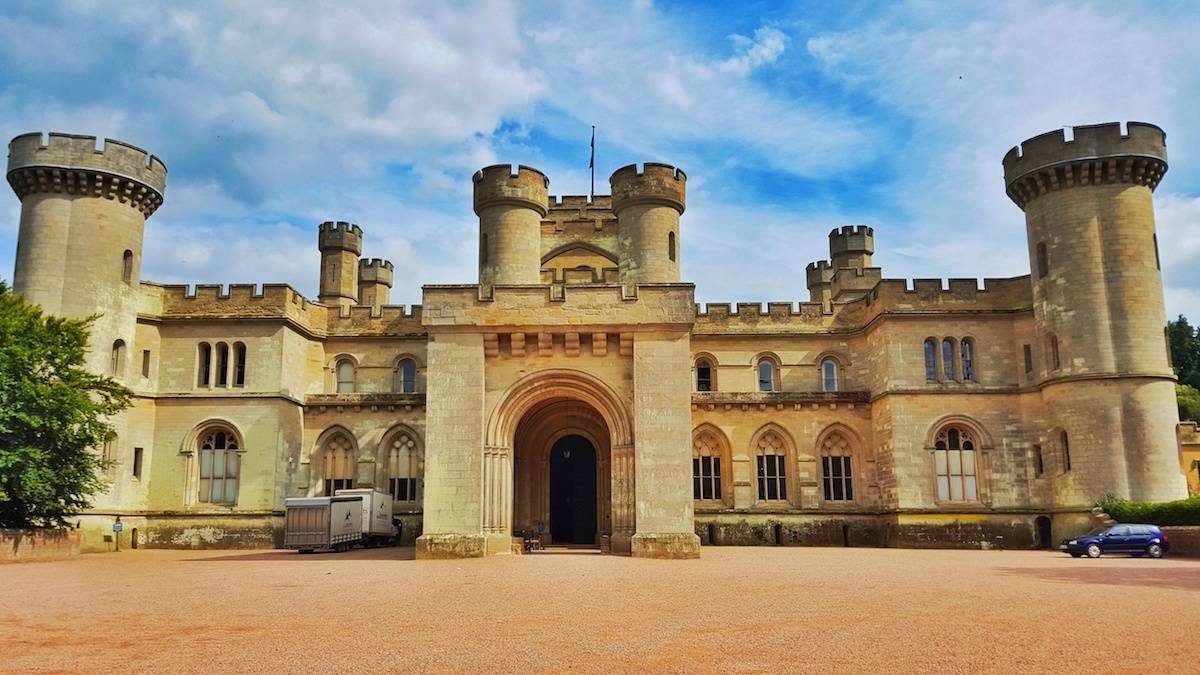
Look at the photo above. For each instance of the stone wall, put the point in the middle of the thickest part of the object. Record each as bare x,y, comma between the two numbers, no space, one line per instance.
40,545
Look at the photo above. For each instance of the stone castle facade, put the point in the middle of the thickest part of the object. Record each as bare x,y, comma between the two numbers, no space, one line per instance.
577,390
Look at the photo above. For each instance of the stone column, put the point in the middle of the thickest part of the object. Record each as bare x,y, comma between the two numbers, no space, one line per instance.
623,507
497,498
662,421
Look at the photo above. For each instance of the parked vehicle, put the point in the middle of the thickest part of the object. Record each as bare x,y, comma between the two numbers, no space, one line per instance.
322,523
1131,538
378,528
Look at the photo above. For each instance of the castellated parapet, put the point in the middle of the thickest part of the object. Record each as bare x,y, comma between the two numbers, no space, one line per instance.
1097,154
374,281
851,246
71,164
648,204
510,205
819,274
340,244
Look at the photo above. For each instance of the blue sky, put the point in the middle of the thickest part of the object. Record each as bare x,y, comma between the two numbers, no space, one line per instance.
790,119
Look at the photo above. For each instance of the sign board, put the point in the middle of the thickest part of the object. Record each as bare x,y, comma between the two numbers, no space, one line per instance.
117,527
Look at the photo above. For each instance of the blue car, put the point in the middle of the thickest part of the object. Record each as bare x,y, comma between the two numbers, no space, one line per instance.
1136,540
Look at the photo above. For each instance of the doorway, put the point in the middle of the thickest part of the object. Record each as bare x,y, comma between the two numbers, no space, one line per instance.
1042,528
573,491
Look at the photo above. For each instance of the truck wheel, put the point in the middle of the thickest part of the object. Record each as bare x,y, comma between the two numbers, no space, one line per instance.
305,550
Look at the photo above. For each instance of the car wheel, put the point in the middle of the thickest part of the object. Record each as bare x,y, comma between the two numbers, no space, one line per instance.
1155,551
1093,550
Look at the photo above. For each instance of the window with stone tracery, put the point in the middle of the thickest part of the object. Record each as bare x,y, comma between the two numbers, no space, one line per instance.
771,458
219,460
837,474
338,464
707,451
954,461
403,467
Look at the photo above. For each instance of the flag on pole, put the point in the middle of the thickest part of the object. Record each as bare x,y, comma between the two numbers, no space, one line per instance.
592,163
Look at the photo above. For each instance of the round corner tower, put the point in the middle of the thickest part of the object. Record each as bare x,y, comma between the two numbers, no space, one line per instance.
510,206
1104,375
79,246
648,205
340,244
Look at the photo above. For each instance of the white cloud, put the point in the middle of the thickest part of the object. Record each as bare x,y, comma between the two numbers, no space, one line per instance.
765,47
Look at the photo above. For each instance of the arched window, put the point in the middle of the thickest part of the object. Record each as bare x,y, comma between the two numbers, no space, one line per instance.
405,377
116,364
949,371
767,375
239,364
338,464
1066,450
1052,346
222,364
771,458
671,246
837,475
829,375
708,451
1043,263
219,462
954,459
404,468
127,267
704,374
967,352
931,374
204,365
344,371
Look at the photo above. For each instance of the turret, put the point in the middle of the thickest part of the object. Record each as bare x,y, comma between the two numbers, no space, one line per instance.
510,206
79,246
648,205
1098,309
374,281
819,275
851,247
340,244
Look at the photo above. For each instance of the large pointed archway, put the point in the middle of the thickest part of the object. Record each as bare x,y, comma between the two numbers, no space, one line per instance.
533,416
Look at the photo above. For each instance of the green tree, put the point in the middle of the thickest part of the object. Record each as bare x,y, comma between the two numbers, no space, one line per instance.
1185,351
1189,402
53,414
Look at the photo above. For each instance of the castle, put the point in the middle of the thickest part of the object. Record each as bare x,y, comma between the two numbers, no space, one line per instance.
577,390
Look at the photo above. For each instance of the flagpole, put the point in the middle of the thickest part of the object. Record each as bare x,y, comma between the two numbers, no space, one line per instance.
592,164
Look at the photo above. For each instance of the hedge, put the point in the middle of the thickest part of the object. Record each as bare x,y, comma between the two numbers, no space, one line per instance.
1180,512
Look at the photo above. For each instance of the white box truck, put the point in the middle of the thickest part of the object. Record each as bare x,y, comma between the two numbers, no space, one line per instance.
322,523
377,526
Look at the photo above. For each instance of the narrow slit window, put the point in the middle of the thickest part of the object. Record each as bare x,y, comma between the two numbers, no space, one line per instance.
1055,358
137,463
116,365
1066,451
948,369
222,365
239,364
127,267
1028,349
967,352
931,369
204,365
145,363
671,246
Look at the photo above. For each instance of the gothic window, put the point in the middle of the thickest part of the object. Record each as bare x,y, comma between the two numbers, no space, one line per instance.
704,375
405,377
219,462
1066,451
829,375
338,464
931,369
1043,265
707,468
403,467
954,459
671,246
1055,358
204,365
767,374
344,372
837,474
771,458
967,353
949,371
239,364
222,364
127,267
116,364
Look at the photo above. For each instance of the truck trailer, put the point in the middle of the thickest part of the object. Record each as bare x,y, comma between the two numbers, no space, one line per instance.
377,526
322,523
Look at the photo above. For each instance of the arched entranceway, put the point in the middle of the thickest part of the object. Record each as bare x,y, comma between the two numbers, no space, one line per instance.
1043,532
573,491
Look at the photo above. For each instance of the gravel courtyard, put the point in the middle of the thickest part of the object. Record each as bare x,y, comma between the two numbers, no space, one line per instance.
736,609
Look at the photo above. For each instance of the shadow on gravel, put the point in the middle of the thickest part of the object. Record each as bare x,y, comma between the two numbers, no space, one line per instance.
1150,577
380,554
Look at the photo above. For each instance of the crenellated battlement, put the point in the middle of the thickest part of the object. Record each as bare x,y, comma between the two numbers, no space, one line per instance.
654,183
819,272
339,235
500,185
852,239
72,164
1096,154
601,202
375,270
